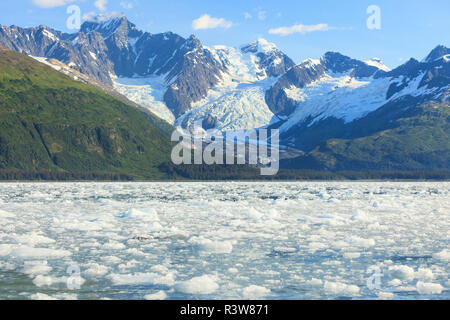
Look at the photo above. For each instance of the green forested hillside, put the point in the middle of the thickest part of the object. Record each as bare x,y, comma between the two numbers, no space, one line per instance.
53,124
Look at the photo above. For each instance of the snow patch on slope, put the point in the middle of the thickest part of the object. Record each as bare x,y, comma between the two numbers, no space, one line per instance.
238,108
147,92
342,97
345,97
376,62
238,101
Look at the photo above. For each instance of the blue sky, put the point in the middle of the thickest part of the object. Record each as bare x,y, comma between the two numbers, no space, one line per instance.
310,28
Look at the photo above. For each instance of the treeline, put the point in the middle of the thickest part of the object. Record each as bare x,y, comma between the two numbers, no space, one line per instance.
22,175
223,173
243,172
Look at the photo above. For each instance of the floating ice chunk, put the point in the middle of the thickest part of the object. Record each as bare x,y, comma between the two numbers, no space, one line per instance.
5,249
254,214
207,245
255,292
160,295
112,259
429,288
339,244
199,285
360,215
114,245
36,267
153,226
41,281
395,282
32,239
82,226
142,278
361,242
424,274
285,250
160,269
7,266
444,255
402,272
25,252
233,270
62,296
352,255
405,289
91,244
148,214
323,195
135,252
95,270
315,246
41,296
314,282
385,295
6,215
128,265
339,288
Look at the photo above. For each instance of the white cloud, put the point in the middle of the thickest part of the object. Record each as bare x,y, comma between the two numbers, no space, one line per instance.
247,15
102,17
51,3
208,22
262,15
300,28
101,5
126,5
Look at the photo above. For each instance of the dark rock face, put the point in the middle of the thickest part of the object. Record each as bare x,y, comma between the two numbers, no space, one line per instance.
299,76
209,122
437,53
87,53
102,49
435,70
338,63
195,75
31,41
274,62
308,72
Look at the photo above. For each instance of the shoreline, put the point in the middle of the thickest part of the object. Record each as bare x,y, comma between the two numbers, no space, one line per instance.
223,181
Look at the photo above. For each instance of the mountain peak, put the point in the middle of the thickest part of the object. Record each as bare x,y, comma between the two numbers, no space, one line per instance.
107,24
339,63
437,53
259,45
105,18
377,62
192,43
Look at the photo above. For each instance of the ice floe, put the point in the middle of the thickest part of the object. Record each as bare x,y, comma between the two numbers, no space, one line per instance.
227,240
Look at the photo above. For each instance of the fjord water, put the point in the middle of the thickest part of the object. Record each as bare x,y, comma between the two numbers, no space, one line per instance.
291,240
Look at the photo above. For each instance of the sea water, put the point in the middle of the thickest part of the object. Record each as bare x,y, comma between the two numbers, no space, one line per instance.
225,240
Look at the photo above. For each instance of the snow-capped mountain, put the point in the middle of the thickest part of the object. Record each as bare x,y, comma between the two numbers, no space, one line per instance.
439,52
238,99
251,86
114,48
341,90
178,79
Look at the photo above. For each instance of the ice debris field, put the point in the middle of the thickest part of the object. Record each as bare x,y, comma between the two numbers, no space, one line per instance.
305,240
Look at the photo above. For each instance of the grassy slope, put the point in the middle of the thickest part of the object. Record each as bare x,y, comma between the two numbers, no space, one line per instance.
49,122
